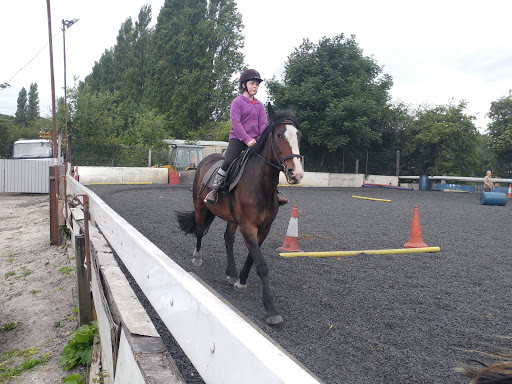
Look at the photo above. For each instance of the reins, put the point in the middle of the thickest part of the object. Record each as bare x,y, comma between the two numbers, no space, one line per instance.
281,160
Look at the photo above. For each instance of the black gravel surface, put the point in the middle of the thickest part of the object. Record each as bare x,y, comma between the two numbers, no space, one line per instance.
407,318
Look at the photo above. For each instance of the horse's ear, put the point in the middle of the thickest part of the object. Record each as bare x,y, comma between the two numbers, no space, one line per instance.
271,112
290,111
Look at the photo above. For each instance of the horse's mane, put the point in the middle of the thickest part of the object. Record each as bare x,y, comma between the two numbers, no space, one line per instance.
278,118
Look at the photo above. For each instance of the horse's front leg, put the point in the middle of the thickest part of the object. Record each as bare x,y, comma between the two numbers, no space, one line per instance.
249,261
229,239
253,240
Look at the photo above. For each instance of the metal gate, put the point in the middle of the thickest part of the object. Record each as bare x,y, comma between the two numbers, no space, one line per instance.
25,175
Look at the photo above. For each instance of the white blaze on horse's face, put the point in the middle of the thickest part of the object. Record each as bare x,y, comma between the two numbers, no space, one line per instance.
292,135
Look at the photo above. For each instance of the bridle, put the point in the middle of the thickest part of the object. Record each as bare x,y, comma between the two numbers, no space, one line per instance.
280,166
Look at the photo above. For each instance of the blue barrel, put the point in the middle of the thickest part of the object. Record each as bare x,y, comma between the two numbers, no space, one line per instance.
424,183
493,198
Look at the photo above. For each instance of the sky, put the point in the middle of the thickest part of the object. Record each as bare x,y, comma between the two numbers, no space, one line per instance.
436,51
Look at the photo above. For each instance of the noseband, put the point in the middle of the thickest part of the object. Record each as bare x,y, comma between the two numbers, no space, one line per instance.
280,160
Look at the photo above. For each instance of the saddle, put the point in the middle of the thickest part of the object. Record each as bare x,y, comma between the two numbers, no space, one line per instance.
233,174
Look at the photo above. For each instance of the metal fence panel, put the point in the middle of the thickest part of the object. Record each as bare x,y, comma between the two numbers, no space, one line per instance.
2,175
25,175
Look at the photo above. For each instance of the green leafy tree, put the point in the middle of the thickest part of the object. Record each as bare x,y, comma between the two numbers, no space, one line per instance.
500,135
339,97
147,130
5,144
33,103
20,117
102,77
441,141
96,126
195,50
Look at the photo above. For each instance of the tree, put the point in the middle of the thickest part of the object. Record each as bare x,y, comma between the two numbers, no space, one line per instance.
442,140
194,53
102,75
33,103
5,144
338,95
500,135
20,117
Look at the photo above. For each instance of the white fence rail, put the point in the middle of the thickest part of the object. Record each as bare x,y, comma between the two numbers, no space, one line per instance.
25,175
221,345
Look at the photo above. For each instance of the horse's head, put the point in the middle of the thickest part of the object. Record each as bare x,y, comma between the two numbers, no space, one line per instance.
285,142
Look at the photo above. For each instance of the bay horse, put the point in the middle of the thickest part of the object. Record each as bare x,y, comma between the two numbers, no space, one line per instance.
252,204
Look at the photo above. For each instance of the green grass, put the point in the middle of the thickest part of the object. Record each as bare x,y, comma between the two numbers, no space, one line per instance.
26,272
14,363
9,327
67,269
9,274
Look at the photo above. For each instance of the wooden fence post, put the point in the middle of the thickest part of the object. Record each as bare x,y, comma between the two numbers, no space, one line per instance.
84,290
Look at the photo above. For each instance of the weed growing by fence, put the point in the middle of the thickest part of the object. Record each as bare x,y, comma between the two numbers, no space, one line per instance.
67,269
78,351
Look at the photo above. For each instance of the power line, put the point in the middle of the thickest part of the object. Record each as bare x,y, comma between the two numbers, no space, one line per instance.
32,58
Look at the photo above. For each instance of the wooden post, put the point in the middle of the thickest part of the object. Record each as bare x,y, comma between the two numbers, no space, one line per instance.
398,164
84,290
54,191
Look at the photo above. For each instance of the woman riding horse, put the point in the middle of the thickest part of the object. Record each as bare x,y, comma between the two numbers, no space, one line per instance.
253,204
248,120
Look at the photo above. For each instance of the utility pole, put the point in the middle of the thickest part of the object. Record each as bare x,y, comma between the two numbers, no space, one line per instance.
54,170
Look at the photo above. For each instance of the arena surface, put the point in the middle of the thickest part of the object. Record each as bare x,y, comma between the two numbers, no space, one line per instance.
409,318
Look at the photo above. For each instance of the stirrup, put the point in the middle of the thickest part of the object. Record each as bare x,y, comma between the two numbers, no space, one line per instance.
209,200
281,200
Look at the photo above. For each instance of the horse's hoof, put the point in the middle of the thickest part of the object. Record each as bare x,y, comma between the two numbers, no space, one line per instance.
239,287
197,262
274,319
231,280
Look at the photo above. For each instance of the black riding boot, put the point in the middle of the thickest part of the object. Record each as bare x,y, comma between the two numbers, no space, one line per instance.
211,198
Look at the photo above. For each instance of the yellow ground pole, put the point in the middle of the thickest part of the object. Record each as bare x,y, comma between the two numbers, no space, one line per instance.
371,198
127,182
352,253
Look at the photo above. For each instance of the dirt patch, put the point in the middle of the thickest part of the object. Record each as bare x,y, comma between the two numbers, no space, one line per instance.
38,294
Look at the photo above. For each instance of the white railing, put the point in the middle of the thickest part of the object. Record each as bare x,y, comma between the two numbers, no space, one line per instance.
219,343
458,178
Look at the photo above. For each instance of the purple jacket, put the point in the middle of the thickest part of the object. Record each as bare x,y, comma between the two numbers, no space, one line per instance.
247,120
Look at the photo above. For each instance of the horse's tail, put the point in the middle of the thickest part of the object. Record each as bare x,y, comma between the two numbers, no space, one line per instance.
187,222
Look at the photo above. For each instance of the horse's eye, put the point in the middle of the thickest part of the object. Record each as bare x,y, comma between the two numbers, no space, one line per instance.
279,135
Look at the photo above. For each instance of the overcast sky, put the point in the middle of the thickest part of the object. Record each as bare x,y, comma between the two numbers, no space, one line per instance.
435,50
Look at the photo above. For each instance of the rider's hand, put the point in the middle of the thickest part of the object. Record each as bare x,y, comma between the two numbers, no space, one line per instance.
251,143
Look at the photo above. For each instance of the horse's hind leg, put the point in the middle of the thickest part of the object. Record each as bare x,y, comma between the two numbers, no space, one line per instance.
229,238
203,220
197,256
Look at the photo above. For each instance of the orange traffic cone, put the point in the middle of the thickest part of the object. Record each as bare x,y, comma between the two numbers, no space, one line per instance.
75,174
415,239
509,194
291,242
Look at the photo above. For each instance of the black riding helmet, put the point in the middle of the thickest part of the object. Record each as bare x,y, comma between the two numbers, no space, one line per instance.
249,74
